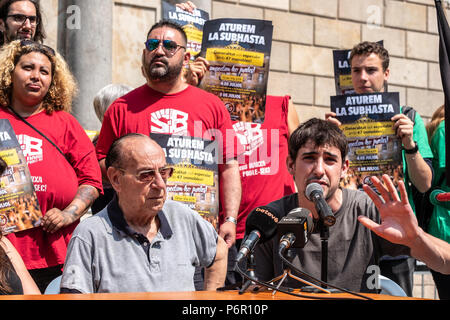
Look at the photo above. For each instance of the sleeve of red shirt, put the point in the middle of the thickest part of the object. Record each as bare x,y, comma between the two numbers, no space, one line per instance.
232,147
80,152
108,133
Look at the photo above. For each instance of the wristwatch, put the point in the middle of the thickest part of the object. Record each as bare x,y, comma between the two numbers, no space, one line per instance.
231,219
413,150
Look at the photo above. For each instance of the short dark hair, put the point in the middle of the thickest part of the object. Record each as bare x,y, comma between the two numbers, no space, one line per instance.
115,157
367,47
39,34
169,24
320,132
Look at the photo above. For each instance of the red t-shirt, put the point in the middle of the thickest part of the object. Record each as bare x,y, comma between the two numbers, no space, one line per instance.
264,175
191,112
55,179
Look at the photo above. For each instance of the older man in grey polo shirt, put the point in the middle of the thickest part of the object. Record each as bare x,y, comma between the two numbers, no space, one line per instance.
141,242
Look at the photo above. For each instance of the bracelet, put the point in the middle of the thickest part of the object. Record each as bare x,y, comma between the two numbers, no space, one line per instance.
413,150
231,219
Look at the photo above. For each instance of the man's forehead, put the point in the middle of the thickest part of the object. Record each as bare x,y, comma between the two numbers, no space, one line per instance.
366,59
23,7
311,147
140,150
165,32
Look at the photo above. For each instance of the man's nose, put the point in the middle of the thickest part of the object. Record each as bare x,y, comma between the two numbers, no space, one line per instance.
27,24
159,181
364,75
159,49
319,170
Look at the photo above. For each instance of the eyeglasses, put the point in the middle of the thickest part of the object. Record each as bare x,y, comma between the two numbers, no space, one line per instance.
149,176
21,18
169,46
43,47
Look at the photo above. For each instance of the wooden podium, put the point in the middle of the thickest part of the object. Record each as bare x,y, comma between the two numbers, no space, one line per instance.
201,295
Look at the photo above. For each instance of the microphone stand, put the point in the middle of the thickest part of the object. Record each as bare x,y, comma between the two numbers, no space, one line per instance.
324,235
251,265
250,272
287,273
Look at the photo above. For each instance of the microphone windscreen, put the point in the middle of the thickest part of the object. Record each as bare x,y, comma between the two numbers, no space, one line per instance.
263,220
299,213
310,188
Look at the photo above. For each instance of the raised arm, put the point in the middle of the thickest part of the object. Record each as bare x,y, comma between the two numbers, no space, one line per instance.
399,225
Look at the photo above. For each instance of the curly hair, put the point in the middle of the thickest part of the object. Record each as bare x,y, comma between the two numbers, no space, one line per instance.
366,48
62,88
39,34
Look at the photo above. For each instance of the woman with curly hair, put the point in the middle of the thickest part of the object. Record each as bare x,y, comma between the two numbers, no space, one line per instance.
36,91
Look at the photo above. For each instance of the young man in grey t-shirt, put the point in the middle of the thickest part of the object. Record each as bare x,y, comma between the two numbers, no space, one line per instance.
317,154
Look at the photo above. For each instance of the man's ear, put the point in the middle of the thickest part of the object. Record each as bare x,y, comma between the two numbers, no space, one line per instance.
290,164
387,73
187,58
345,166
2,26
114,175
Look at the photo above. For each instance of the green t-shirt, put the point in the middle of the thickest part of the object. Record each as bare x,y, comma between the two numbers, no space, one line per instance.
421,137
440,220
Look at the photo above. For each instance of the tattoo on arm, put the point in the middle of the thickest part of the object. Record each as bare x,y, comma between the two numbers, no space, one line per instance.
83,200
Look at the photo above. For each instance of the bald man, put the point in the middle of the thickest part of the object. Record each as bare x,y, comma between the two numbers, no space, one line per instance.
140,242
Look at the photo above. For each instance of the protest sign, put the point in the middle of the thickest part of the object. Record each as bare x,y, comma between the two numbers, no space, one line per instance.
374,147
19,207
238,51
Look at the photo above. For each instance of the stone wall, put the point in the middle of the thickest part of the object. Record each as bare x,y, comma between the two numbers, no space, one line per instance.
305,33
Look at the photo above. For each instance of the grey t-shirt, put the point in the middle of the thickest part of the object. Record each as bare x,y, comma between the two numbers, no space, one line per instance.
106,255
352,248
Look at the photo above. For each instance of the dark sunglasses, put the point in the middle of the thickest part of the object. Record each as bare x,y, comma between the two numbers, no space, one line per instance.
169,46
21,18
43,47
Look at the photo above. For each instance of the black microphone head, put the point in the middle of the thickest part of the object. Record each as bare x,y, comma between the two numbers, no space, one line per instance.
299,222
263,220
299,213
312,188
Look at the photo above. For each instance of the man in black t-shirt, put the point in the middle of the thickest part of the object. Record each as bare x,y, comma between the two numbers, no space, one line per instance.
317,154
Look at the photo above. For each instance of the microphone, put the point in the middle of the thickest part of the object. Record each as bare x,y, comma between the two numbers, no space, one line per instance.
314,192
260,226
294,228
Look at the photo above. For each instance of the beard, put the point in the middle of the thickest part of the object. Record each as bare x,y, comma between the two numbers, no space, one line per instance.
11,36
165,72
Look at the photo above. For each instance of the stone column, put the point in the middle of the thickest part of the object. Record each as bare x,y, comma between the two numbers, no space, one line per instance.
85,40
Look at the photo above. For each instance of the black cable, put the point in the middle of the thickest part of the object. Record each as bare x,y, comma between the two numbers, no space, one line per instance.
265,284
323,283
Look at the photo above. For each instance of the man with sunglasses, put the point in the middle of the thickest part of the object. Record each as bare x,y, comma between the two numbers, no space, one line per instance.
166,104
21,19
142,242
